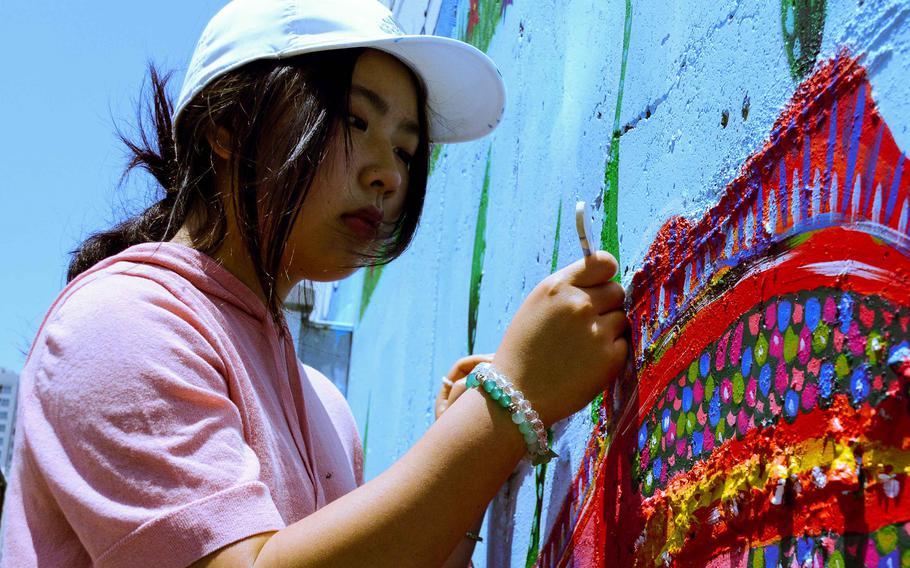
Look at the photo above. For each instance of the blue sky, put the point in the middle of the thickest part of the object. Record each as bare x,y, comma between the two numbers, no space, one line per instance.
68,71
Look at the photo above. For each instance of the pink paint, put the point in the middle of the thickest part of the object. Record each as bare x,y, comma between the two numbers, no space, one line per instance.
813,366
751,391
701,416
805,346
708,443
721,359
736,346
796,381
781,379
645,457
731,419
856,341
698,392
754,320
742,421
776,347
726,391
797,313
829,312
681,445
773,403
838,337
810,396
771,315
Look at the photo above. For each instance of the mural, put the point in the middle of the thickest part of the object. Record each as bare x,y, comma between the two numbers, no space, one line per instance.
759,206
765,421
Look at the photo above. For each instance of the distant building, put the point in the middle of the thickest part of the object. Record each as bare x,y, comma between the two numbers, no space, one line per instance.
9,388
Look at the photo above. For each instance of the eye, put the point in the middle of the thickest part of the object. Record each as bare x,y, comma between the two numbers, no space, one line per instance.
405,156
357,122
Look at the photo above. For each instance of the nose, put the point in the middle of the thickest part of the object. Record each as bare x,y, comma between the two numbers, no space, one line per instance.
382,174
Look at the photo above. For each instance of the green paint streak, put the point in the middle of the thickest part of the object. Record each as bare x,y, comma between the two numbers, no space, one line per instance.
540,472
370,280
434,158
609,233
802,23
366,429
556,239
480,247
481,22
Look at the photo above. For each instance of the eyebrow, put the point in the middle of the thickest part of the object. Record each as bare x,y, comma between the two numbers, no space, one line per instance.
382,107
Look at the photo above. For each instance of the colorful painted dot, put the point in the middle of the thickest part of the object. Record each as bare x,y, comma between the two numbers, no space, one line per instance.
746,362
813,313
704,364
714,410
845,312
791,403
642,436
826,380
810,396
764,380
859,384
784,310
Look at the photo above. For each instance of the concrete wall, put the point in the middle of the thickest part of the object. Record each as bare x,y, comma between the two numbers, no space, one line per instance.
647,109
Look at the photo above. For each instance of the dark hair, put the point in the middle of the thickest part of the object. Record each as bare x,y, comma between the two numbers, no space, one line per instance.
309,94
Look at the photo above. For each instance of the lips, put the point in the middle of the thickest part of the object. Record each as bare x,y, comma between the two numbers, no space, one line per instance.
364,222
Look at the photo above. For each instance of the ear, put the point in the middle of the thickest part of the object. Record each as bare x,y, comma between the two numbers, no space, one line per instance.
220,140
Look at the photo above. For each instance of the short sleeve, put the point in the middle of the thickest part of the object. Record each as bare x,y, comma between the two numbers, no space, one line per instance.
130,423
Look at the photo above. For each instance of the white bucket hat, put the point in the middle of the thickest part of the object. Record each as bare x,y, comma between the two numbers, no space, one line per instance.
465,91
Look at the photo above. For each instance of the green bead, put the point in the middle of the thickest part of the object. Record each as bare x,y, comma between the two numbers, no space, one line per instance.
518,417
505,400
472,381
525,427
489,385
496,393
530,438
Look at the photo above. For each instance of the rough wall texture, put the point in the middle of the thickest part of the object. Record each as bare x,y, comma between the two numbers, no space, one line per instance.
747,161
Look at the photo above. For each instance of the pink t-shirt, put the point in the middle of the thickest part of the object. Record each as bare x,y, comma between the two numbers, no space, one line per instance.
162,417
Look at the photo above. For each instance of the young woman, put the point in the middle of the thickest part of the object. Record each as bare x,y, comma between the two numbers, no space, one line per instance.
165,420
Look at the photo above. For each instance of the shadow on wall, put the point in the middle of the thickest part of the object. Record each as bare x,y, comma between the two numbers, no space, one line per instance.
765,421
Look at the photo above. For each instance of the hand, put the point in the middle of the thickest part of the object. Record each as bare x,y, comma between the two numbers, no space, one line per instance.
566,343
449,394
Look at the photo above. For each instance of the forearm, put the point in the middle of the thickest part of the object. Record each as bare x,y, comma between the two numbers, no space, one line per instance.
464,550
416,512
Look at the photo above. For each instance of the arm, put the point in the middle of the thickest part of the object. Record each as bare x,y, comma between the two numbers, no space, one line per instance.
563,346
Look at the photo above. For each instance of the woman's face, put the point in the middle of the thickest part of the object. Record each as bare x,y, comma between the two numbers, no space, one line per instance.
357,199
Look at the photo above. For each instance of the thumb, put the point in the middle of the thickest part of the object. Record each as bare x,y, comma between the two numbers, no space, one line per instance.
592,270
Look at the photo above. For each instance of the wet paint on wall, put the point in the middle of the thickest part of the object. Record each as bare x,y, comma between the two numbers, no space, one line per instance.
771,348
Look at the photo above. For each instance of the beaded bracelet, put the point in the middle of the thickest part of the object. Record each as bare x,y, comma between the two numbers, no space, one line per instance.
485,377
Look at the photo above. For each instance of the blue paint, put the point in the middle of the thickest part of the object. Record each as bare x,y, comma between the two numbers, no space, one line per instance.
665,420
687,399
714,408
704,364
826,380
642,436
895,185
869,176
805,546
448,19
813,313
791,403
764,379
698,440
805,201
845,312
859,384
784,213
829,159
772,553
657,467
857,129
784,309
746,362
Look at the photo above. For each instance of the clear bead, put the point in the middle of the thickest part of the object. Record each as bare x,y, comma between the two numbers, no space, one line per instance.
525,406
532,416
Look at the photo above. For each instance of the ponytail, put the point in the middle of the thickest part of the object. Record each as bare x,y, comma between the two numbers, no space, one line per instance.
154,152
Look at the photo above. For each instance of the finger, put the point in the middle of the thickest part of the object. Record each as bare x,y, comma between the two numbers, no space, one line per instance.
441,397
612,325
606,297
458,389
592,270
466,364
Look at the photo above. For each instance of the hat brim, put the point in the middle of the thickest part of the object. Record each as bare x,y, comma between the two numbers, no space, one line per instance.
465,92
